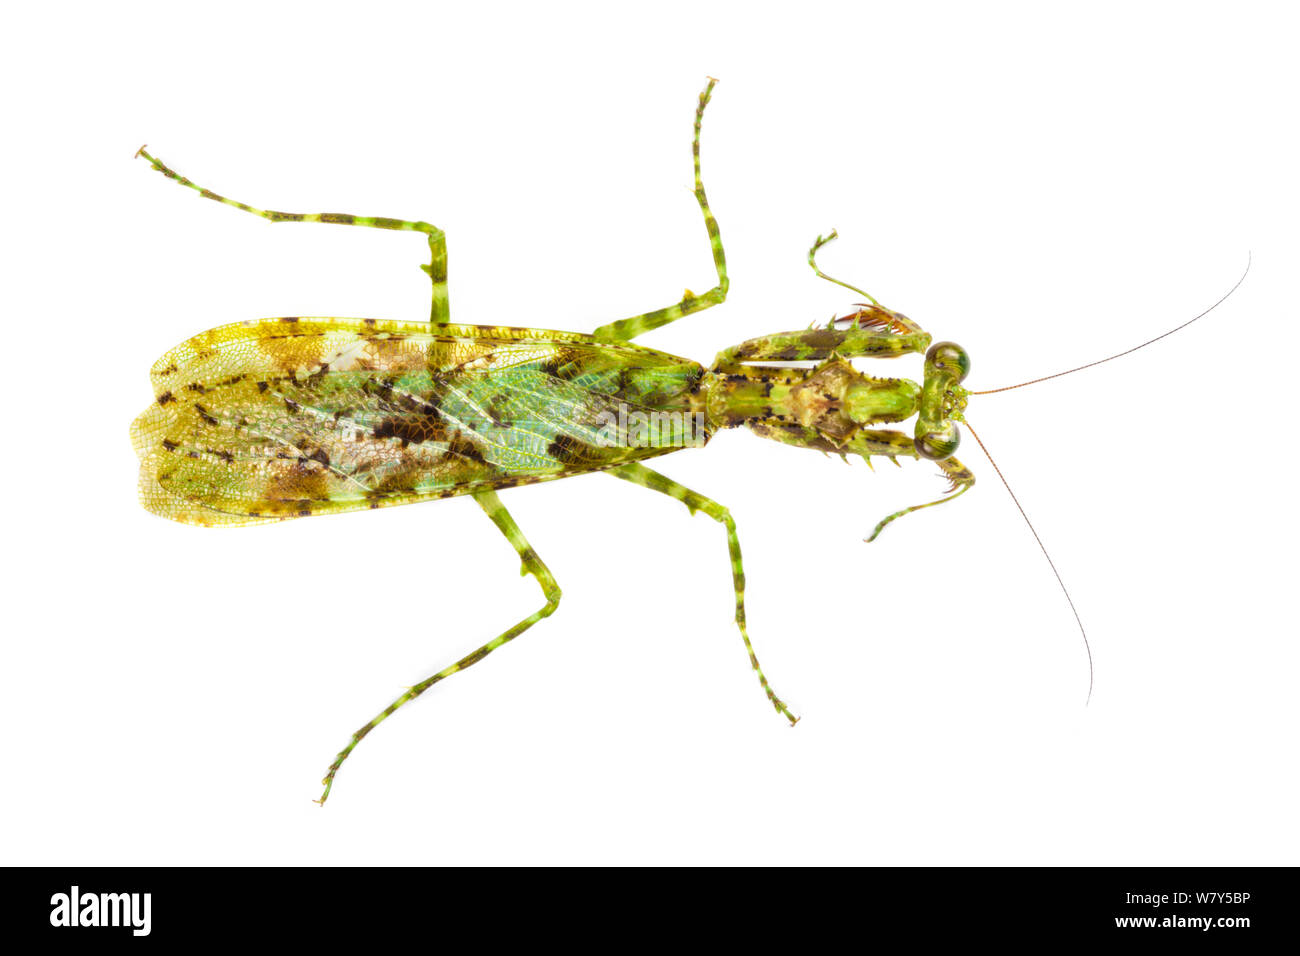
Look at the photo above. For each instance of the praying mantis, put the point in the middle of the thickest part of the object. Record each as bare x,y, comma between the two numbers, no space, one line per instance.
275,419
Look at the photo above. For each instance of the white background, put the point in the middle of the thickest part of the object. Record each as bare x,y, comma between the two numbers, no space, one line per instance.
1046,185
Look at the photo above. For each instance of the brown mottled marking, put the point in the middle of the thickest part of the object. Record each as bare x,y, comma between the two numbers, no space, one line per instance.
559,449
494,411
297,482
409,431
338,218
823,338
391,353
166,397
801,436
473,658
568,449
561,367
463,447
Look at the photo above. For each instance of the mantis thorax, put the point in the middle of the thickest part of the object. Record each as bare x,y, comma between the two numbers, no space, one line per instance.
831,406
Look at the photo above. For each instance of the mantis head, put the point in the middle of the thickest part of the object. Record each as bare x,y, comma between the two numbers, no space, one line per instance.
942,401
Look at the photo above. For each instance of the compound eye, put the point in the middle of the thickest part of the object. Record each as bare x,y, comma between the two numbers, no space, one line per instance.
949,358
939,444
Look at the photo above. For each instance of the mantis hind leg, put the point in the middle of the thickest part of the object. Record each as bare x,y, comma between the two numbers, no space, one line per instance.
647,478
532,564
625,330
440,312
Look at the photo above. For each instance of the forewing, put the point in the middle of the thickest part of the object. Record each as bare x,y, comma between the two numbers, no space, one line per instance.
286,418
